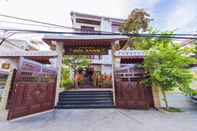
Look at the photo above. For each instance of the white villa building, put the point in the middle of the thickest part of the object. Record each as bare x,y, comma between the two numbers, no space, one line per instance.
92,23
38,84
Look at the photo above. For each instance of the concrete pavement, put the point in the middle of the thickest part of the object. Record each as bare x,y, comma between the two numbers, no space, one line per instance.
111,119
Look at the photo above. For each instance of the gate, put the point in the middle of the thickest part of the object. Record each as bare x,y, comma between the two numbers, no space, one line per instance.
33,89
131,91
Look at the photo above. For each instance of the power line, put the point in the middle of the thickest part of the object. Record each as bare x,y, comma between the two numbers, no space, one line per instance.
19,23
169,36
61,26
35,21
67,27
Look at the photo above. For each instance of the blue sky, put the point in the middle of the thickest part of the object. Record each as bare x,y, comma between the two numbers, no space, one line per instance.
178,15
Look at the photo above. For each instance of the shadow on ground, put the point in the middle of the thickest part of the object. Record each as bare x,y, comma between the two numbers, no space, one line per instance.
111,119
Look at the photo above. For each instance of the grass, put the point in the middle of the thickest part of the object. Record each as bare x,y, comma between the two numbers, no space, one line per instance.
171,109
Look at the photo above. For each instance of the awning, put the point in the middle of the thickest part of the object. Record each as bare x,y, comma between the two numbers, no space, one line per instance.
12,53
39,56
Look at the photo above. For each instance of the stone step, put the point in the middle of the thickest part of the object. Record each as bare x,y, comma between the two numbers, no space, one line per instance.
85,99
85,93
85,102
88,106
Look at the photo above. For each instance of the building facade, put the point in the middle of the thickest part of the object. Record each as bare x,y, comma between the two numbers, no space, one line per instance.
91,23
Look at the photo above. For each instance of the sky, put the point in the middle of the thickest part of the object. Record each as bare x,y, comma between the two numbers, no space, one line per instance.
173,15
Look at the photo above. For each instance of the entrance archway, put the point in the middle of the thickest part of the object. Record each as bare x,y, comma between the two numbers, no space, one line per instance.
87,45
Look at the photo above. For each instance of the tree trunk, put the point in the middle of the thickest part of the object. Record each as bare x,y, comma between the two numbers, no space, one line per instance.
165,98
74,79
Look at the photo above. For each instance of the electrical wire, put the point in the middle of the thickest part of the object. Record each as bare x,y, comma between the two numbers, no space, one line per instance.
35,21
67,27
19,23
170,36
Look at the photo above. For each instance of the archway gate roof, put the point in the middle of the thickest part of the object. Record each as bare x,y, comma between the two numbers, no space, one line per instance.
86,44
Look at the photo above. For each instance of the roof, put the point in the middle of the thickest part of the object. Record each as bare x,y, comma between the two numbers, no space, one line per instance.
2,72
86,44
85,40
7,53
85,37
78,14
188,42
17,44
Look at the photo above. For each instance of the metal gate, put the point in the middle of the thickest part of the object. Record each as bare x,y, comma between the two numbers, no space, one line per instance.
33,89
131,91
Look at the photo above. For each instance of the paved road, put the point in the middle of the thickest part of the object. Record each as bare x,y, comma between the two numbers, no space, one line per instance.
111,119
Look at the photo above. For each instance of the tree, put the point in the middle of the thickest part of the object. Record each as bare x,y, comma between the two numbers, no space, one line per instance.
65,73
165,61
166,65
137,21
76,62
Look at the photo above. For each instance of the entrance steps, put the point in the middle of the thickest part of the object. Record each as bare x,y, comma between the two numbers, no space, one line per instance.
85,99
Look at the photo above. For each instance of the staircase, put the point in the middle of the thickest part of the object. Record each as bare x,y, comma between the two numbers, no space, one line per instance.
85,99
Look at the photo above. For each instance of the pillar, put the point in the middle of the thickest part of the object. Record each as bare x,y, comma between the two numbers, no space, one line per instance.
156,91
60,52
4,100
113,70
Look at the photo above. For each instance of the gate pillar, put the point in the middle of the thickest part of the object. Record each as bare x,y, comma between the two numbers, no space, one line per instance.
60,51
4,100
156,96
113,69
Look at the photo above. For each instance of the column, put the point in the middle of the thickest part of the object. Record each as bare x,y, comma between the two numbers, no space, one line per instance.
3,102
113,69
60,52
156,96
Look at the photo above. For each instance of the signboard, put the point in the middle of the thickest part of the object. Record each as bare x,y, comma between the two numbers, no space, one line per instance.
129,53
33,66
5,66
29,65
89,50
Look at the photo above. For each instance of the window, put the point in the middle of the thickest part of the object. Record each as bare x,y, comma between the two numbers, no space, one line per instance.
99,57
115,28
87,29
87,21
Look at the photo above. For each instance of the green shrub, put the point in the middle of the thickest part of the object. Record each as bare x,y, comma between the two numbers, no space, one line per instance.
171,109
194,92
67,84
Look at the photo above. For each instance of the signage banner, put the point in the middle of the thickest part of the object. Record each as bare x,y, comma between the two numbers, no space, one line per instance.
86,50
129,53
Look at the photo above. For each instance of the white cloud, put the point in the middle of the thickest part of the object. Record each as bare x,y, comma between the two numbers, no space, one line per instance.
147,5
182,17
58,11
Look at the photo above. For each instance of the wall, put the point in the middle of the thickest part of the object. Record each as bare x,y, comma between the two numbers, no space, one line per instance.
106,69
106,25
13,64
